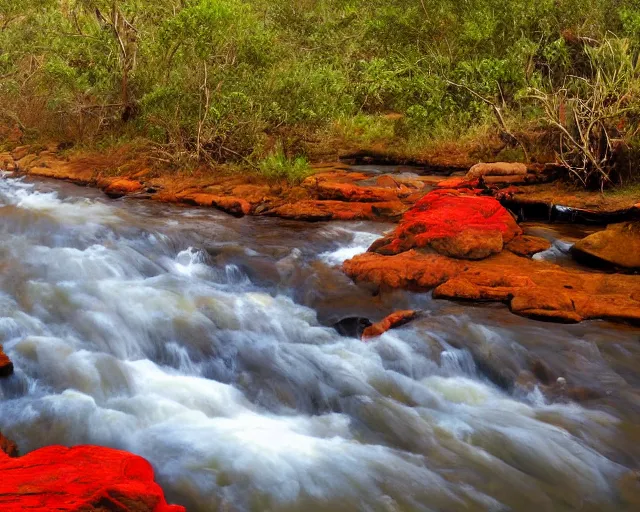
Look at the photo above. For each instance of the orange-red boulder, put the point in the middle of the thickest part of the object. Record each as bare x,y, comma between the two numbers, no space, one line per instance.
122,187
80,479
392,321
6,366
411,270
454,223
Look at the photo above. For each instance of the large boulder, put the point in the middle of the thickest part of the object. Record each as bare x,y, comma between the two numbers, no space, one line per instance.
80,479
411,270
454,223
617,246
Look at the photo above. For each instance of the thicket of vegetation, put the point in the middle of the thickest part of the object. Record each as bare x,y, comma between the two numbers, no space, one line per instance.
245,80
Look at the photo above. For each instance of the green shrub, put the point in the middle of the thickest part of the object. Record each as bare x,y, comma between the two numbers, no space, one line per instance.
278,167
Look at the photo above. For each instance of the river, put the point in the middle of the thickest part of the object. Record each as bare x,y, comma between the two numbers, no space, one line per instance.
204,343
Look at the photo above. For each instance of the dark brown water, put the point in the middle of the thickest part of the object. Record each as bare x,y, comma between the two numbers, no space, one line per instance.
203,343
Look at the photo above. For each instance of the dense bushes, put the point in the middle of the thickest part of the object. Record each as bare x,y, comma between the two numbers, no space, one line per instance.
220,79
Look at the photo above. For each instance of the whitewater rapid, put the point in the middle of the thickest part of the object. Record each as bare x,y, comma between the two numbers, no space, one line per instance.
204,343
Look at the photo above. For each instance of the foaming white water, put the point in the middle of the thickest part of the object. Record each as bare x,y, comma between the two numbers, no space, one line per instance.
23,195
361,241
556,253
242,400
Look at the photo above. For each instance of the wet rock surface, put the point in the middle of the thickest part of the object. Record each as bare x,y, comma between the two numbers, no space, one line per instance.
526,245
396,319
6,366
80,479
428,249
616,246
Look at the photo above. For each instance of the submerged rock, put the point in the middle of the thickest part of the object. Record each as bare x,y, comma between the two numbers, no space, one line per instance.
80,479
352,327
616,246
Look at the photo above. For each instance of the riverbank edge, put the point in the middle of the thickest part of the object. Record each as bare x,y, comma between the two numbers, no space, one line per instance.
334,191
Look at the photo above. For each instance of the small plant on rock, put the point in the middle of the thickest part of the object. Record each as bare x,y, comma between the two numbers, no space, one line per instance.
278,167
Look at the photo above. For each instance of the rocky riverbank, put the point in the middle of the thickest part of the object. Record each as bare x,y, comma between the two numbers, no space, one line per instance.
468,247
334,191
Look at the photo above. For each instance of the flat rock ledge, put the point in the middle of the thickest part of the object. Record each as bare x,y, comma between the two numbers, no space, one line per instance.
408,259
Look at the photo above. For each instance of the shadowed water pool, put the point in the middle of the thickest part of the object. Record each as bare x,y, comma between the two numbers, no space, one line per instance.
204,343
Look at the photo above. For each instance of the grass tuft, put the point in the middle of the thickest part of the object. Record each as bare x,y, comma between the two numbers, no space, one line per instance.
278,167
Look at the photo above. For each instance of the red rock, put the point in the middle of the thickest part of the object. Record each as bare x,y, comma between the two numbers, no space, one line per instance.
348,192
6,366
122,187
458,182
410,270
229,204
392,321
314,210
80,479
535,289
629,487
8,447
454,223
526,245
253,194
546,291
496,169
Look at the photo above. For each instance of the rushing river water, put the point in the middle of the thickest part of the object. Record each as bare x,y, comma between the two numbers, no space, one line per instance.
204,343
